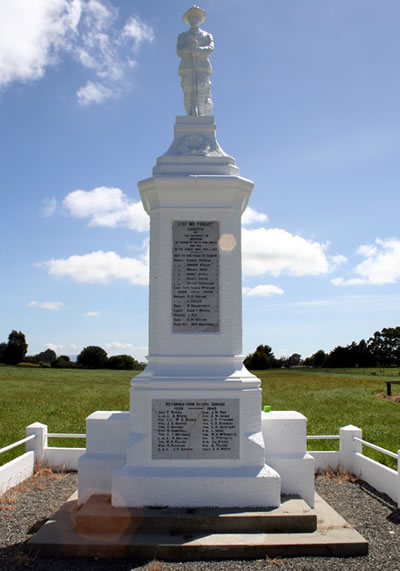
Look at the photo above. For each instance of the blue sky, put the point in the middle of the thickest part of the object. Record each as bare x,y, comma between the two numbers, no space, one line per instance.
306,98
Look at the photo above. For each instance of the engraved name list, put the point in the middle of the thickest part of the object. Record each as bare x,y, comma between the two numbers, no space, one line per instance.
195,276
195,429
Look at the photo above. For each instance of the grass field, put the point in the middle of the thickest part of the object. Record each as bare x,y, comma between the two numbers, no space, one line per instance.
62,398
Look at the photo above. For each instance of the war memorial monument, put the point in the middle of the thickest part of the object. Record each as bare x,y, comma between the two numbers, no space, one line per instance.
194,434
195,451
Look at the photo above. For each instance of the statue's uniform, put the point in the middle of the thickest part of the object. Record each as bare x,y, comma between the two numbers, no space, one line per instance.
194,47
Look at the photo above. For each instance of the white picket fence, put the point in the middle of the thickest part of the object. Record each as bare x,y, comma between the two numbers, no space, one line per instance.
38,451
349,457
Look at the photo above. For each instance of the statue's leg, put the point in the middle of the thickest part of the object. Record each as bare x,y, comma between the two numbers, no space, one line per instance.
187,86
204,94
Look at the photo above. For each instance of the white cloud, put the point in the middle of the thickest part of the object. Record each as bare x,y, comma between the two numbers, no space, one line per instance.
35,34
32,34
274,251
137,31
93,93
66,349
251,216
100,267
48,305
338,260
49,206
262,290
118,348
106,206
380,266
351,281
92,314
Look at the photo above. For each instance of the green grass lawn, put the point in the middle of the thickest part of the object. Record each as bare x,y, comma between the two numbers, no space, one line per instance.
62,398
333,399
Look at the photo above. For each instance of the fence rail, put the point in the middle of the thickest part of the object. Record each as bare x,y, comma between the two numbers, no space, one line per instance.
375,447
15,444
60,435
323,437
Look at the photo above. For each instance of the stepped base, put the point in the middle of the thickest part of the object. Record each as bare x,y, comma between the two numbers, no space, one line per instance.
209,534
177,487
99,516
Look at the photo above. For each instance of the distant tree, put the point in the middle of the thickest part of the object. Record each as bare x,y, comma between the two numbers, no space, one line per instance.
47,356
16,348
262,358
385,346
294,360
319,359
340,357
2,349
123,362
92,357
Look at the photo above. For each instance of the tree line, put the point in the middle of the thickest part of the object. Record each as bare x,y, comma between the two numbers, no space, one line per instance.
380,350
92,357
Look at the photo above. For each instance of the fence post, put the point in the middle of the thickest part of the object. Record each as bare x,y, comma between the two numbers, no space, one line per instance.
398,478
348,447
39,443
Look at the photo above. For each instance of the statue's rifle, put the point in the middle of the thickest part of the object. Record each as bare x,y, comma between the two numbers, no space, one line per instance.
194,92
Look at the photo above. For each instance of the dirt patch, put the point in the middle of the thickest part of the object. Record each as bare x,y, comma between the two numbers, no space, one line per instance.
393,398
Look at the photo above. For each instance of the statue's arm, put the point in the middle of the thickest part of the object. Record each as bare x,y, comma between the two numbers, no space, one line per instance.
207,49
183,46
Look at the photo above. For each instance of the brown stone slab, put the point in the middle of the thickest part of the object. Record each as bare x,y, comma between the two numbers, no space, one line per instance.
333,537
98,515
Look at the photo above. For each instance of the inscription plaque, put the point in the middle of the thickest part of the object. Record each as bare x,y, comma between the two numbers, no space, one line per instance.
195,429
195,276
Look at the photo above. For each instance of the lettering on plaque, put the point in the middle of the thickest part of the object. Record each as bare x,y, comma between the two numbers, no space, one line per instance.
195,276
195,429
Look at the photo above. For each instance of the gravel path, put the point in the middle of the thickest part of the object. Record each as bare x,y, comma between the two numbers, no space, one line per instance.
374,515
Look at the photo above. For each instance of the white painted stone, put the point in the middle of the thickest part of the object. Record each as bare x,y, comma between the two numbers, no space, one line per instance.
107,432
285,440
195,151
297,475
38,444
195,365
348,446
16,471
107,435
60,458
285,432
196,487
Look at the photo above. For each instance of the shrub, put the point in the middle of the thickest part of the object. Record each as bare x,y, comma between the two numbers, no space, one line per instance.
123,362
92,357
28,365
32,359
64,362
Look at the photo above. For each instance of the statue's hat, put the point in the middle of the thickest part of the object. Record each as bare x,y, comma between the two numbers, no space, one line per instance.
194,11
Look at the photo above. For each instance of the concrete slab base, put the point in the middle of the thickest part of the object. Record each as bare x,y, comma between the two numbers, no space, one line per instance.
99,516
99,530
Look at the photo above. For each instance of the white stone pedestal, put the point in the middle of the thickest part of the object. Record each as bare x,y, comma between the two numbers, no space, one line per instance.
195,435
195,427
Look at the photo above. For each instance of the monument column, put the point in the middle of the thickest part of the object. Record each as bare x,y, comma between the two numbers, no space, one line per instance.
195,434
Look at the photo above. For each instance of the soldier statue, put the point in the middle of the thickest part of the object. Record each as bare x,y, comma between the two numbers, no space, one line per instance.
194,47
